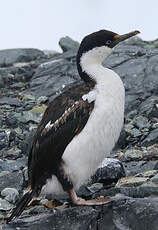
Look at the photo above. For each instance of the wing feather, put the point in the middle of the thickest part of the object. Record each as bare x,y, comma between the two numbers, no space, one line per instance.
56,129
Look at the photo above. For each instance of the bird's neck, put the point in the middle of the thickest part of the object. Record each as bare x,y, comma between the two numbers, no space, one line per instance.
99,74
91,65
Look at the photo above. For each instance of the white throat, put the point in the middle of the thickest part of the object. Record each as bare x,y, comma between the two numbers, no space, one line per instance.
91,61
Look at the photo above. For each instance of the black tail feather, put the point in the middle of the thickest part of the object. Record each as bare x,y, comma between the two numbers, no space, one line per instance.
20,206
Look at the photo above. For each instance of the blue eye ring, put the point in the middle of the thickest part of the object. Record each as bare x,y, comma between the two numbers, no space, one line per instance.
108,42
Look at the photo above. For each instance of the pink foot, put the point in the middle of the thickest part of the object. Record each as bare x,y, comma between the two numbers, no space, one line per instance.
77,201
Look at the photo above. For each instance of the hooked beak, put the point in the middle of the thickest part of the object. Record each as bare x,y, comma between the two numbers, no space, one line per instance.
120,38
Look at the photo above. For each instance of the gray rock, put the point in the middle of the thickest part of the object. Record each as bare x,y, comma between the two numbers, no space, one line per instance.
51,53
10,194
149,184
12,179
151,138
131,181
52,78
109,171
141,122
29,98
5,79
25,145
19,85
34,115
134,192
12,153
148,107
42,99
10,56
155,178
66,43
5,205
13,165
2,82
133,154
123,213
3,173
9,101
25,173
11,120
134,167
95,187
37,209
135,132
129,129
150,153
148,174
3,139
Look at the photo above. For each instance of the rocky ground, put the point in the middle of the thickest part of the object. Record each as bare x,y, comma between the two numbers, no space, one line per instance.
29,80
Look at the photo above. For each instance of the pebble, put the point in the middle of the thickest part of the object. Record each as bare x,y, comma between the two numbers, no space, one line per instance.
155,178
19,85
133,154
95,187
148,174
5,205
42,99
28,97
141,122
10,194
14,151
131,181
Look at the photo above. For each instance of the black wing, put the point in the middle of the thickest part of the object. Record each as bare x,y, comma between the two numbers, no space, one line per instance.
64,118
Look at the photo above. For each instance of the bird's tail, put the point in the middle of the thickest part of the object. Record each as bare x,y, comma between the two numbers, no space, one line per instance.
20,206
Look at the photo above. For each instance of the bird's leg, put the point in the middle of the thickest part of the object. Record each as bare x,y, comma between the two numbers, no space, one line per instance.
78,201
68,187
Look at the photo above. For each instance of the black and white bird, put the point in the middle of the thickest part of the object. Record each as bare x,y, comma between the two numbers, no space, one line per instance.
80,127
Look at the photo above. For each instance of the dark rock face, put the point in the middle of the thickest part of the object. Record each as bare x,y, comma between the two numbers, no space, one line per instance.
29,80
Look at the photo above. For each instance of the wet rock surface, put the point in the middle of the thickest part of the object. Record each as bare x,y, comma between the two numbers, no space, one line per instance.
29,80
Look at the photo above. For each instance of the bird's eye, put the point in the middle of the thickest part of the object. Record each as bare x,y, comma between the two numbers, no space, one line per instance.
108,42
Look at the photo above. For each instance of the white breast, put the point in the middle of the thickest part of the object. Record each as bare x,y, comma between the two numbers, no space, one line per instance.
87,150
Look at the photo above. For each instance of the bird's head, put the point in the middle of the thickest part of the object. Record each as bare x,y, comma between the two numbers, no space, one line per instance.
95,47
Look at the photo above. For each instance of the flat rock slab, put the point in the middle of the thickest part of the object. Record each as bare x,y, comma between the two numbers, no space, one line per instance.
122,214
131,181
10,56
